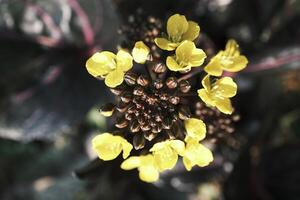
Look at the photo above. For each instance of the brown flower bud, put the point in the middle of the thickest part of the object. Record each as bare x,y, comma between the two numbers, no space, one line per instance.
121,123
157,128
134,127
138,91
159,68
184,86
184,112
142,80
166,123
151,99
122,107
149,135
146,127
116,91
171,134
158,84
138,141
107,110
158,117
174,100
126,97
131,108
130,78
171,82
164,96
128,116
141,120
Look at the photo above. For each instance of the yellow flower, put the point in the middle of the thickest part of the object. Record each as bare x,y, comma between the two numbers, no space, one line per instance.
218,94
228,60
148,171
140,52
108,146
187,56
196,154
166,153
195,128
109,66
178,29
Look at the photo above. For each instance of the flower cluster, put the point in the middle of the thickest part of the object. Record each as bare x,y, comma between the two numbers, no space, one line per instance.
161,108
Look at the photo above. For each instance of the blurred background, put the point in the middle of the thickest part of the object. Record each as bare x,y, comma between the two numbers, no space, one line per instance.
49,103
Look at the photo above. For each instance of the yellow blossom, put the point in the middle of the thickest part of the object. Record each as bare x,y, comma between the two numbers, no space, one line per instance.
166,153
218,94
195,128
196,154
178,29
228,60
108,146
187,56
140,52
109,66
148,171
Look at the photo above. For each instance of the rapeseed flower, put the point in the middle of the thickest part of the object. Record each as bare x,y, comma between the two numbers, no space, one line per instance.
146,165
109,66
186,57
109,146
229,60
178,30
218,94
166,153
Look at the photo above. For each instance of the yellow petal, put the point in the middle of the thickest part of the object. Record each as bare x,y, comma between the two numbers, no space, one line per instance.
214,67
114,78
101,63
206,98
124,60
148,174
165,158
127,147
107,146
192,32
224,105
196,154
197,58
131,163
206,83
184,51
187,163
176,26
140,52
238,64
195,128
225,87
231,48
165,44
178,146
172,64
166,153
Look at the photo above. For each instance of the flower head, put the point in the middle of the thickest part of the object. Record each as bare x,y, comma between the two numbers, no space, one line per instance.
108,146
178,29
166,153
159,112
146,165
219,93
109,66
228,60
187,56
